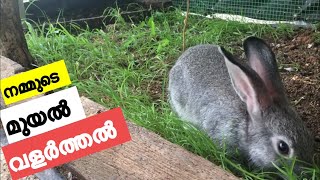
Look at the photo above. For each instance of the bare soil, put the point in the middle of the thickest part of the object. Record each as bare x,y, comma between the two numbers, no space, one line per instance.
299,62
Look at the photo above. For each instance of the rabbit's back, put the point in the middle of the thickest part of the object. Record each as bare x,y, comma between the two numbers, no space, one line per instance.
201,91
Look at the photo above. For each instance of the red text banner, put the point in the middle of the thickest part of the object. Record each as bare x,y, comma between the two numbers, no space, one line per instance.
67,143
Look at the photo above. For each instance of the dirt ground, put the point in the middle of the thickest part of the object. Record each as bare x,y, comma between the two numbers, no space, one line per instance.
300,72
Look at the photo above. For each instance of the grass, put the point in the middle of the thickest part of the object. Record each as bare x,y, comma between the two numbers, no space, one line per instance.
127,65
316,35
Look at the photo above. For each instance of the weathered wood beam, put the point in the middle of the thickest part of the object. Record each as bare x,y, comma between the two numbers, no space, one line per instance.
146,156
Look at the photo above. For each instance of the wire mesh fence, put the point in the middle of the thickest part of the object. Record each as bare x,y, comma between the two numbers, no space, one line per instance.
275,10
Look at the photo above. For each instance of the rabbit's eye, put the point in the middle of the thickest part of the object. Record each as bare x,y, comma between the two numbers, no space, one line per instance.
283,148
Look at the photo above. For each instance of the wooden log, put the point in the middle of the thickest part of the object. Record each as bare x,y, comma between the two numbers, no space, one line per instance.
146,156
12,39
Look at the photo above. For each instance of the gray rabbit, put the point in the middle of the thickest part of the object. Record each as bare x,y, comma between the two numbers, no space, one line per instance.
241,106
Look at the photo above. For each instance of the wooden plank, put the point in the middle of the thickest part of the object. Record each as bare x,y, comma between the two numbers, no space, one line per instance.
147,156
9,68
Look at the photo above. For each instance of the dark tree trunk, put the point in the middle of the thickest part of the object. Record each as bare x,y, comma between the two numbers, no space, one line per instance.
13,44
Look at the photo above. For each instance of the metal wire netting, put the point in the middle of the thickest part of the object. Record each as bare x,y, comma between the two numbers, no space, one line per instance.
276,10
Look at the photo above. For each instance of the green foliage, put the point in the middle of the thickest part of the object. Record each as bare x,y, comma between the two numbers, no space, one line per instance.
125,63
316,37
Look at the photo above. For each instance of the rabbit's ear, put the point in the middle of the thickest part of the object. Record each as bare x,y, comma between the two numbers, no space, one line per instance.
247,84
262,60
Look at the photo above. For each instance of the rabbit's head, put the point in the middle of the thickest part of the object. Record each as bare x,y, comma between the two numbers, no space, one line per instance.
273,128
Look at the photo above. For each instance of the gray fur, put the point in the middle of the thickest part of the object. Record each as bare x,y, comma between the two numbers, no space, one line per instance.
203,91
